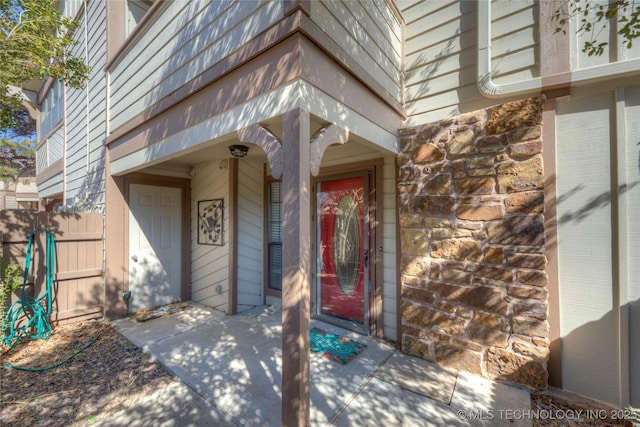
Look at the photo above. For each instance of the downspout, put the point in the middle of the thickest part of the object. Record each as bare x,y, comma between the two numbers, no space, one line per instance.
490,89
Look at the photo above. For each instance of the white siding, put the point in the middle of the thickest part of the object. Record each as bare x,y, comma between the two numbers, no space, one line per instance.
250,223
210,264
51,187
185,39
598,186
55,146
370,33
441,51
41,158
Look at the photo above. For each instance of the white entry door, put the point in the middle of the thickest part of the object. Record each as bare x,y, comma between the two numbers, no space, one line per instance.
155,247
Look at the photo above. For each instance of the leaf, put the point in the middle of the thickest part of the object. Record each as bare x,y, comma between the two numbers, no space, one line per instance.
35,43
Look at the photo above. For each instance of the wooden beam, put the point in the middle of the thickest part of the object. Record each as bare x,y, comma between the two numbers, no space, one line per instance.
296,268
271,144
322,139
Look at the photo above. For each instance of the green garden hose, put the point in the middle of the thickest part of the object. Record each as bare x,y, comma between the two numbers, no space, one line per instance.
55,365
36,311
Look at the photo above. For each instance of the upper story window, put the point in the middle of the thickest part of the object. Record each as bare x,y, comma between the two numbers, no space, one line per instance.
52,108
136,9
70,8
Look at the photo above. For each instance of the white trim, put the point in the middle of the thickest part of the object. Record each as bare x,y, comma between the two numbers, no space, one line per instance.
490,89
259,109
297,94
324,106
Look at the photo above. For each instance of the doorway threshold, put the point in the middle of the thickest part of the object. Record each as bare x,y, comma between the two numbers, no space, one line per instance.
343,323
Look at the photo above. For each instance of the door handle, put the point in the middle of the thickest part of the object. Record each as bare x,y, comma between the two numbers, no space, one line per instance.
366,256
134,258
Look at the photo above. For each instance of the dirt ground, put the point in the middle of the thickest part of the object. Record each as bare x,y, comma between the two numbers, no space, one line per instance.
113,374
106,377
558,408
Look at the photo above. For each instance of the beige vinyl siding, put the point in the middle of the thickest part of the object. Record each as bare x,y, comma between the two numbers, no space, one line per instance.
28,186
250,223
368,32
613,51
585,270
598,189
631,260
351,152
185,39
10,202
441,54
390,280
210,264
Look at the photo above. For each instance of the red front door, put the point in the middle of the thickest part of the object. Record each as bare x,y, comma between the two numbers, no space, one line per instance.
342,249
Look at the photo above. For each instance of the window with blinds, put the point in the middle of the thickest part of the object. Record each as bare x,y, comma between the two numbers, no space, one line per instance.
274,227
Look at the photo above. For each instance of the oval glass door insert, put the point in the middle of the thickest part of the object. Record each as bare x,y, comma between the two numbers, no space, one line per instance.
346,244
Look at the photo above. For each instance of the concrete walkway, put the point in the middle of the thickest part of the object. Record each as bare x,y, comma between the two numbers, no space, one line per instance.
230,371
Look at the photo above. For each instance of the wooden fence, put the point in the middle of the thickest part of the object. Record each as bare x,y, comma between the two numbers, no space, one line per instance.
78,292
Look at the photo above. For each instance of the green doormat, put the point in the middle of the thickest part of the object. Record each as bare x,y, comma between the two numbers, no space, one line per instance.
335,347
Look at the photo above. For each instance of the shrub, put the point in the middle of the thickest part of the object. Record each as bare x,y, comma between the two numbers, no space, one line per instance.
10,279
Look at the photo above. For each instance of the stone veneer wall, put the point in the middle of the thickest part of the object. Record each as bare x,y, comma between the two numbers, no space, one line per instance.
473,280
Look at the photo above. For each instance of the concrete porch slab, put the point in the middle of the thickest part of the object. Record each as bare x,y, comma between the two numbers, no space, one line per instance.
490,403
174,406
419,376
234,364
142,333
383,404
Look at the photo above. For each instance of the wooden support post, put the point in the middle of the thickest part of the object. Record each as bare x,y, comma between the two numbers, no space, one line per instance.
296,268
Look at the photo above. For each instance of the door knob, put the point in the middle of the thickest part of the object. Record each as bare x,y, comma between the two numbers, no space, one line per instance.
134,258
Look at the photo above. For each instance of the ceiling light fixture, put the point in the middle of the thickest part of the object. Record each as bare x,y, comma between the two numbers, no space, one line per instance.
239,151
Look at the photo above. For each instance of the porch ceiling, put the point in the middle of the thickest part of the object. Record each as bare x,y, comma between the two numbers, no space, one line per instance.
218,150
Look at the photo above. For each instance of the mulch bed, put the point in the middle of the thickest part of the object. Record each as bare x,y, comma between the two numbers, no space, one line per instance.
113,374
108,376
153,313
556,407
